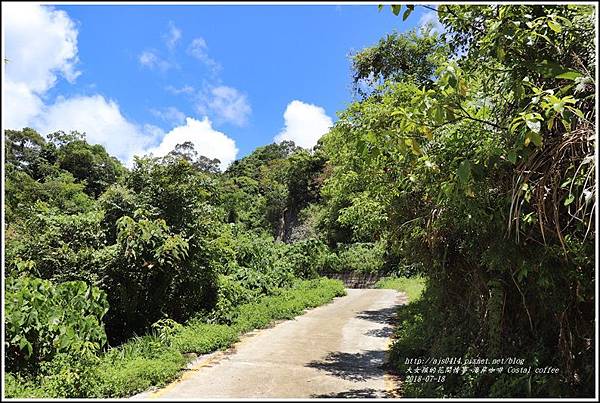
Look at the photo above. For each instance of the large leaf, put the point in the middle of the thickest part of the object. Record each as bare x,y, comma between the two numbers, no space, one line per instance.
464,171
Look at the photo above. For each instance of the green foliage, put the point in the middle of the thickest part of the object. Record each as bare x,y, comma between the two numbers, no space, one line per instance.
43,319
61,247
411,56
267,189
258,264
361,257
308,258
497,143
292,302
231,294
155,360
116,202
89,164
137,365
202,338
412,286
146,279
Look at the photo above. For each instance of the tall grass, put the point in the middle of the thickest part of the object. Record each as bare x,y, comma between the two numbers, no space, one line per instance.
412,286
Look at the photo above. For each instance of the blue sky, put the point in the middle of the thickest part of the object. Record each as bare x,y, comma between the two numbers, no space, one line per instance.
130,75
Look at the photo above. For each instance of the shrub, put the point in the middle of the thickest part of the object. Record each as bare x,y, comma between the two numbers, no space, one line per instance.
147,278
230,295
361,257
308,257
63,247
43,319
260,265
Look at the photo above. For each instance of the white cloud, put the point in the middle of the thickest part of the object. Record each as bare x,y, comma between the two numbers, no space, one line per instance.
20,105
304,124
227,104
207,141
170,114
103,123
198,49
431,18
40,44
173,36
186,89
150,59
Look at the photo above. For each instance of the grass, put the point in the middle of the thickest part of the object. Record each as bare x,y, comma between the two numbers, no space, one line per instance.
151,361
412,286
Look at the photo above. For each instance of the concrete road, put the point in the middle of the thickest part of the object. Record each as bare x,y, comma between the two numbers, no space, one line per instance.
336,350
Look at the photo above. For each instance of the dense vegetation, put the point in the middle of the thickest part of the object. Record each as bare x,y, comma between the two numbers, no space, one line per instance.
478,170
97,254
466,162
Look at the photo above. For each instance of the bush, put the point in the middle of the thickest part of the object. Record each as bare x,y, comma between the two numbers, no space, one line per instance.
63,247
43,319
360,257
153,275
230,296
309,257
259,264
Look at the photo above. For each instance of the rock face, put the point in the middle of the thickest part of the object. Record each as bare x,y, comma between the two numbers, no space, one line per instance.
353,279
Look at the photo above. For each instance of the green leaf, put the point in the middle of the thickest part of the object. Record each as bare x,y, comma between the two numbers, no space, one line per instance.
512,156
569,199
24,344
549,69
569,75
555,26
576,111
406,13
396,8
534,138
464,171
414,145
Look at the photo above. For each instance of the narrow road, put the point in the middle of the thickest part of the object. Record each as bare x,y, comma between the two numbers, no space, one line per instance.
336,350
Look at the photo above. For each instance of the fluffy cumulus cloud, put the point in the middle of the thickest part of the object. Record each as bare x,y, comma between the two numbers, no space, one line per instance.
304,124
40,45
207,141
103,123
20,105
